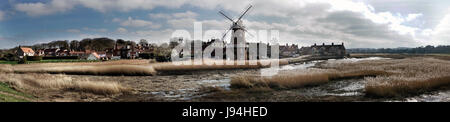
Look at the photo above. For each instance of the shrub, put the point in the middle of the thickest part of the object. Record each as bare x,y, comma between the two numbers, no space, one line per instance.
34,58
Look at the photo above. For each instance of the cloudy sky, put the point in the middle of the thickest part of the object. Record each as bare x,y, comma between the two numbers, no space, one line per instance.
357,23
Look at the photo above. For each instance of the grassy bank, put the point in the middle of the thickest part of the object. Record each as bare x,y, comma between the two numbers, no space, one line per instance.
8,62
7,94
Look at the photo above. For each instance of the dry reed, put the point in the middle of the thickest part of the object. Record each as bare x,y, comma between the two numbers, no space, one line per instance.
62,82
309,77
127,67
91,70
410,76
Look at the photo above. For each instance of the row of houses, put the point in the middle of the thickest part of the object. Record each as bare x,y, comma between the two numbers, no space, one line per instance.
333,50
292,50
285,51
132,51
89,55
117,52
289,50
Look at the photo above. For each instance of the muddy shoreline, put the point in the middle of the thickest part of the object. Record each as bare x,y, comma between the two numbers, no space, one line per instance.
341,90
214,86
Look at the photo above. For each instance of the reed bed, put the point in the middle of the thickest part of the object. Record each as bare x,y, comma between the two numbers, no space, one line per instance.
6,68
62,82
385,78
410,76
414,76
129,70
290,80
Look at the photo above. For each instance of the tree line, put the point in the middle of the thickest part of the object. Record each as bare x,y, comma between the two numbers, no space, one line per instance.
96,44
443,49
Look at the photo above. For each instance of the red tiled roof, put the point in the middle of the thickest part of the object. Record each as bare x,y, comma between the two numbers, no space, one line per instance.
27,50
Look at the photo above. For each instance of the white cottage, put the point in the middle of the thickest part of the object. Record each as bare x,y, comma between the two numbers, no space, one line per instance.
24,51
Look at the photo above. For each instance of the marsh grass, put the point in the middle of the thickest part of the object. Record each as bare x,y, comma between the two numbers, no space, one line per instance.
130,70
398,87
6,68
62,82
298,80
408,77
385,78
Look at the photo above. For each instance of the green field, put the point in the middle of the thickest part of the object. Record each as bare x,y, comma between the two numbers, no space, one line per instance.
8,94
8,62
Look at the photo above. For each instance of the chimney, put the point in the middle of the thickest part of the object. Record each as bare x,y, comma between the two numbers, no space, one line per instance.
315,44
332,43
323,44
342,43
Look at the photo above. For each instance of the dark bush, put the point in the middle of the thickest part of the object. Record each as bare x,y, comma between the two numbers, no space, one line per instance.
163,58
34,58
23,60
147,55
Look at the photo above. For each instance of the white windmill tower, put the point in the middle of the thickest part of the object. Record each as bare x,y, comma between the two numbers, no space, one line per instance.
238,33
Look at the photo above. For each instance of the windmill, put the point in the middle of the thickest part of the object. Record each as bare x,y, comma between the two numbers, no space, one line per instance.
237,27
238,34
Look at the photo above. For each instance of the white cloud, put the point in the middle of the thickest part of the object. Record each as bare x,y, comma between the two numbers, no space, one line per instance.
441,33
116,20
121,30
2,14
102,30
90,36
38,9
182,23
160,16
55,6
413,16
215,24
130,22
73,31
128,5
187,14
